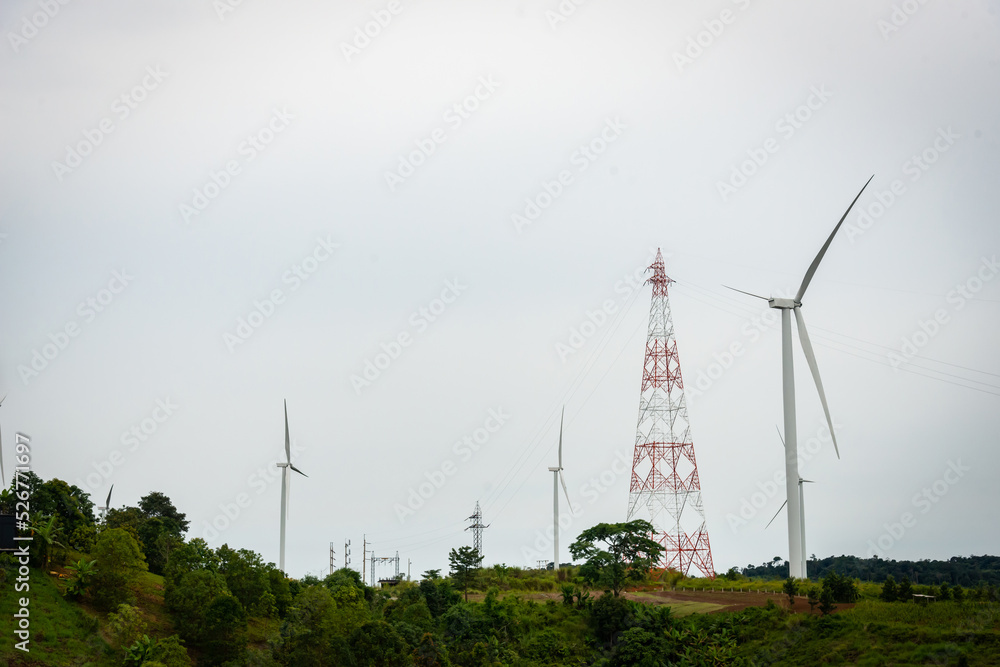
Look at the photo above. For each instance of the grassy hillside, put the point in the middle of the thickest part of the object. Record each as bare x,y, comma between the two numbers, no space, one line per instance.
870,632
63,633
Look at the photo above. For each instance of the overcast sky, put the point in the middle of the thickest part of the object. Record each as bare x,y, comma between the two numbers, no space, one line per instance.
207,208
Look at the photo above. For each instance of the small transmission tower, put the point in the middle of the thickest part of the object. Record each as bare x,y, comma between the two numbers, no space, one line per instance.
665,489
477,529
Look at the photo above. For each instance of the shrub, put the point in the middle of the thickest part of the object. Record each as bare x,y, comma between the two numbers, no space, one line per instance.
119,564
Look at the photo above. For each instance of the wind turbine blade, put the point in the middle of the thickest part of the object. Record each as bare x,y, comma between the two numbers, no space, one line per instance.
107,503
297,470
561,417
776,514
288,449
747,293
811,360
822,251
565,491
807,481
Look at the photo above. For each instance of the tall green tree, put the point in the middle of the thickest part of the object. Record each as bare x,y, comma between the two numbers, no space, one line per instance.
627,555
119,564
464,564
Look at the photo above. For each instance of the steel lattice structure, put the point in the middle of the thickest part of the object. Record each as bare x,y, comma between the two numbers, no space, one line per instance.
665,489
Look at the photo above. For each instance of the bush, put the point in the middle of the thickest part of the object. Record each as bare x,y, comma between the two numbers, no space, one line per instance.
842,589
119,564
610,615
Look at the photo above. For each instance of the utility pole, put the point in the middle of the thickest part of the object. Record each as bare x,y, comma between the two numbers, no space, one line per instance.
408,562
347,553
477,529
331,557
364,555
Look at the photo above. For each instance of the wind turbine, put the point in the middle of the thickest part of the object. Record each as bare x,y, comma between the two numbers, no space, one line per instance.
796,539
107,503
557,478
285,487
802,508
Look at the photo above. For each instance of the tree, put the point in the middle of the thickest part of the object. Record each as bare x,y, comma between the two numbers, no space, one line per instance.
629,555
790,588
843,588
157,505
813,598
428,654
609,616
247,579
464,564
377,643
826,605
431,574
905,591
889,591
119,564
225,630
48,531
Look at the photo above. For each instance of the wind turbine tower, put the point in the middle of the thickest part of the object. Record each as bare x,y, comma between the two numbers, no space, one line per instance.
793,488
286,469
665,488
557,477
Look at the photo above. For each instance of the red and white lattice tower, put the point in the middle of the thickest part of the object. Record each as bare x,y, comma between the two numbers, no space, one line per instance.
665,488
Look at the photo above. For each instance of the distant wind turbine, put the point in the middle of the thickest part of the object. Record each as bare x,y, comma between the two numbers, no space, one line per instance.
285,488
557,478
107,503
796,532
802,506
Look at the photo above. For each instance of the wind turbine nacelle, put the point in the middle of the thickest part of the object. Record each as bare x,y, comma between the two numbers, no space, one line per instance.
782,303
554,469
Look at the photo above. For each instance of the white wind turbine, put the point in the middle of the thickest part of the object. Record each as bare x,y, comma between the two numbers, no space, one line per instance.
285,487
557,478
802,509
796,521
107,504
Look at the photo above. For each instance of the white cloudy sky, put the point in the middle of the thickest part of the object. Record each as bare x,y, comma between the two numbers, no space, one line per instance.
686,118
